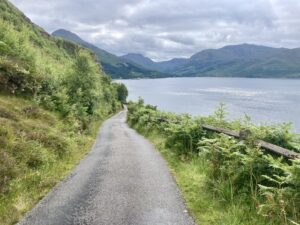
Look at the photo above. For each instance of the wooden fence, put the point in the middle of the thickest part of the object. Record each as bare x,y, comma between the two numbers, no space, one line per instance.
263,144
242,134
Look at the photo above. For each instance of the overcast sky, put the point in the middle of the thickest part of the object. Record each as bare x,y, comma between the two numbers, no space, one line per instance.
164,29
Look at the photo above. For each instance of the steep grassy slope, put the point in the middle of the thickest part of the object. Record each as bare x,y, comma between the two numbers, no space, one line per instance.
53,96
37,149
113,65
28,49
59,74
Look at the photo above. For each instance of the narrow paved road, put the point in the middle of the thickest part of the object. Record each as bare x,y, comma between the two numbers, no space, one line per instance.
122,181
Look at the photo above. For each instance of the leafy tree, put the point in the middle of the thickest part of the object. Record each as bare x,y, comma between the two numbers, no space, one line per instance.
84,85
122,93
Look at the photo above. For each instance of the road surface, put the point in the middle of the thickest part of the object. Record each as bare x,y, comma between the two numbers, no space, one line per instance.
122,181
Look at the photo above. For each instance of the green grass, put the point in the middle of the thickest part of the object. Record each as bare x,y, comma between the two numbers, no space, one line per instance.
204,206
37,149
60,75
225,180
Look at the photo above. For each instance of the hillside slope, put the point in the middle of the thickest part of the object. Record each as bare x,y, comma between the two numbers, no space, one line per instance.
53,96
37,149
236,60
165,66
113,65
33,63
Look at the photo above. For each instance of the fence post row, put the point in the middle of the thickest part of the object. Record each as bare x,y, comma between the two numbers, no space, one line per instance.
243,134
262,144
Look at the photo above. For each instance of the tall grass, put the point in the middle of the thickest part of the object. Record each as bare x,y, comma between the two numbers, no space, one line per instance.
59,75
53,94
37,149
253,187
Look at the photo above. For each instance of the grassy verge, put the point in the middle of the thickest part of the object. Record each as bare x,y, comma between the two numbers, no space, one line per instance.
225,180
191,177
37,149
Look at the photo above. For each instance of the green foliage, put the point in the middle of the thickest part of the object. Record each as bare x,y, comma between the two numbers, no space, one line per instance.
220,113
122,92
59,75
37,149
43,137
236,170
7,170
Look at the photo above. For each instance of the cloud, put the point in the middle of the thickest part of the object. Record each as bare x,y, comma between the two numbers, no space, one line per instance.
163,29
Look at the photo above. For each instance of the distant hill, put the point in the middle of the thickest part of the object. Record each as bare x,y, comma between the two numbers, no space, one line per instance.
235,60
164,66
245,60
113,65
141,60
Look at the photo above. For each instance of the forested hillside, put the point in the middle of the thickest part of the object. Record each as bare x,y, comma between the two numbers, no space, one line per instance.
34,63
113,65
245,60
53,96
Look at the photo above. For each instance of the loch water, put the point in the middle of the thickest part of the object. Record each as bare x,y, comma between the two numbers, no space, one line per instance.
266,101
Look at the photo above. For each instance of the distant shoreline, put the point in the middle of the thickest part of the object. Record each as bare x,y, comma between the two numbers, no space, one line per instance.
265,78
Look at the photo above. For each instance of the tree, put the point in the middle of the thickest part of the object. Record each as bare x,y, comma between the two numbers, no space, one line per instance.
84,86
122,93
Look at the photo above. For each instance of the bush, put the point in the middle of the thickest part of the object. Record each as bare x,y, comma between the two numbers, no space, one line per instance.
38,147
57,74
238,170
122,92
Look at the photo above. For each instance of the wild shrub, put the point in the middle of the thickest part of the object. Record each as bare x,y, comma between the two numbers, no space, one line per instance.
183,137
238,171
281,197
122,92
59,75
38,147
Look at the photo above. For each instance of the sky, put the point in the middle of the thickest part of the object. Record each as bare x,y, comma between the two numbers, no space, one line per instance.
165,29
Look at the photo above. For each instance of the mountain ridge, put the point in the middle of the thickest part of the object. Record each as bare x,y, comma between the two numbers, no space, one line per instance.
113,65
244,60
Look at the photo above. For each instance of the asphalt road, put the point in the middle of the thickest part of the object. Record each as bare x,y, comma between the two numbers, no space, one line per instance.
122,181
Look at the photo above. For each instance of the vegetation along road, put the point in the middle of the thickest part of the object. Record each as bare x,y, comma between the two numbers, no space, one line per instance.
123,180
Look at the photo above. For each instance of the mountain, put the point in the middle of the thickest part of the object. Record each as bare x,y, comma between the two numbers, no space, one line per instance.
243,60
112,65
164,66
141,60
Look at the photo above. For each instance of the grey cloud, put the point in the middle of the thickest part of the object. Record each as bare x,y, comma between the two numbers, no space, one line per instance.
180,38
164,29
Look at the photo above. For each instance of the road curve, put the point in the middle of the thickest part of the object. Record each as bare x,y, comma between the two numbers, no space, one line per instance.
122,181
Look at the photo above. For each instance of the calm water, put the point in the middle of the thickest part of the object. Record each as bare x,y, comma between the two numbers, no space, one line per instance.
267,101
